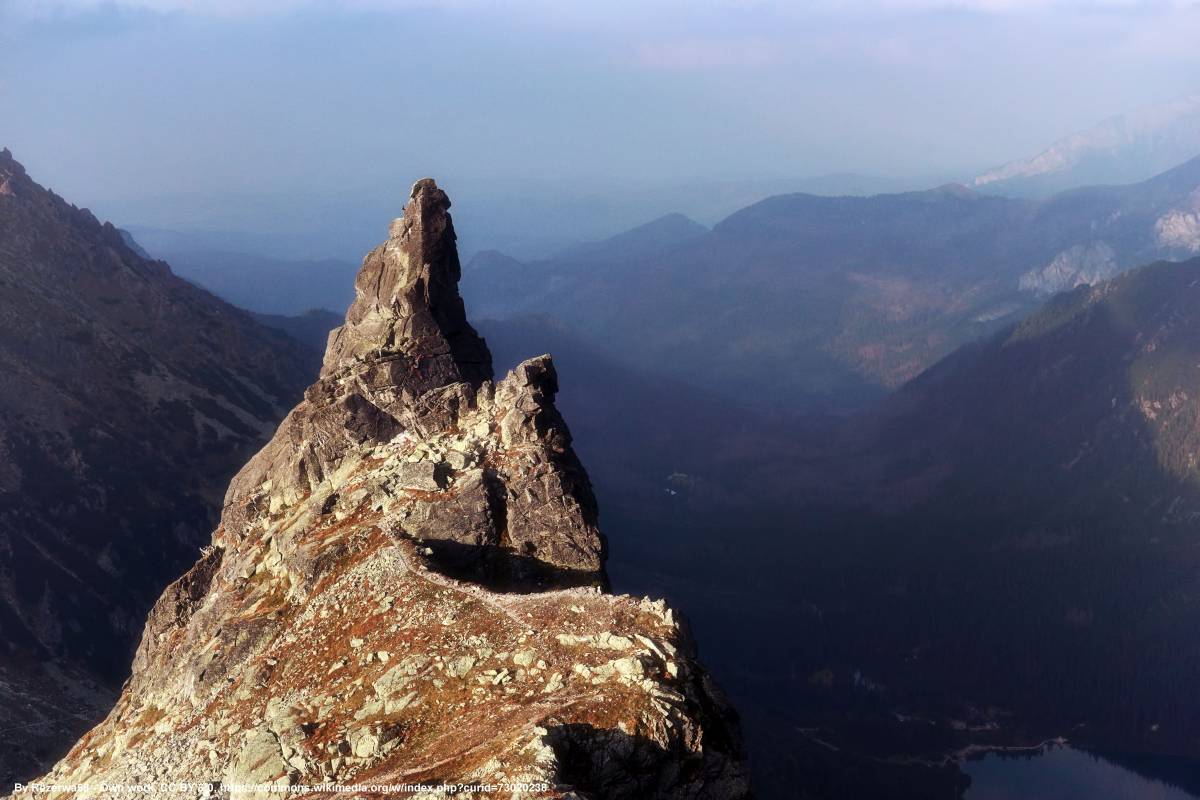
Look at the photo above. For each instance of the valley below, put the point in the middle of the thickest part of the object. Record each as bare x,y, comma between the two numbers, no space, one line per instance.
838,727
599,400
889,594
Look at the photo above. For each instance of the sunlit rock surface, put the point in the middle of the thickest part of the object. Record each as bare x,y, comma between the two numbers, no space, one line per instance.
407,585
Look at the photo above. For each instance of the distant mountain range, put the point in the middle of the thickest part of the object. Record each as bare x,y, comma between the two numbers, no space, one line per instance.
1001,547
310,328
802,301
263,284
127,399
1070,439
298,229
1122,149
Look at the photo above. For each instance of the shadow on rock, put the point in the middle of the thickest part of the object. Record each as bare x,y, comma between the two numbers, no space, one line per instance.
499,569
609,764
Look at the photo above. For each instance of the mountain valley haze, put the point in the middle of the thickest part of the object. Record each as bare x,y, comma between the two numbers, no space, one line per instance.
662,400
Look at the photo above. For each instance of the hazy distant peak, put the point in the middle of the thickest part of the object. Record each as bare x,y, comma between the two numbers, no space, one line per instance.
668,226
673,220
957,190
665,231
491,258
1124,148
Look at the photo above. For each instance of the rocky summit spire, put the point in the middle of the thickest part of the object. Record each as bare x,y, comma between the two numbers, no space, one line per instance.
407,313
406,586
407,374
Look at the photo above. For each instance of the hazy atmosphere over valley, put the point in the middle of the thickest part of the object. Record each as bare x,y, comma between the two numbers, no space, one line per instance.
600,400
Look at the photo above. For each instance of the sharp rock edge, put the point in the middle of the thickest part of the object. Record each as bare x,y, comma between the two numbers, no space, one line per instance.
407,585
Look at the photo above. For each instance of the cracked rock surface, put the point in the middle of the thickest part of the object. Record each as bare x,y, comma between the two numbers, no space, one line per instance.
407,585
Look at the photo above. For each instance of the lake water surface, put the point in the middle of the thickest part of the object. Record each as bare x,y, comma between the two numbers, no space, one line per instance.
1064,773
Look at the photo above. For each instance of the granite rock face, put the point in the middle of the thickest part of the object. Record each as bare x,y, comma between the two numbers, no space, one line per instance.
128,398
407,303
406,586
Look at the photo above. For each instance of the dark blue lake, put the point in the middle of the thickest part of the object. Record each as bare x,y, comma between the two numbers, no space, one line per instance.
1064,773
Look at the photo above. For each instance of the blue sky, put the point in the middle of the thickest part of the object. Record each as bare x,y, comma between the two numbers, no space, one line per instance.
119,105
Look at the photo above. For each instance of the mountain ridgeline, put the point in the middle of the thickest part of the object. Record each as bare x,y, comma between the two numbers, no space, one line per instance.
1002,550
992,541
406,585
128,399
806,302
1126,148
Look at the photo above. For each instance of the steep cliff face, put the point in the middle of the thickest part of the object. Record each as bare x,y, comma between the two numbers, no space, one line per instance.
405,587
128,397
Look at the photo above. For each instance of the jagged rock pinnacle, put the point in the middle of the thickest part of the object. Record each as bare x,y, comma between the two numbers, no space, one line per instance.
405,586
407,364
407,311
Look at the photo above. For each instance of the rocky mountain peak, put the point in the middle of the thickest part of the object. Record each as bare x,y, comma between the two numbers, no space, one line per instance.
407,310
407,372
407,584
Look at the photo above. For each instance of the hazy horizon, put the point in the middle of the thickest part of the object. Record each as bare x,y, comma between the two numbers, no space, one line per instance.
284,116
873,476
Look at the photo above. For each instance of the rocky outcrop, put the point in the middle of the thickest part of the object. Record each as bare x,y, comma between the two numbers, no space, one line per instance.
128,397
406,587
1075,266
1178,230
407,304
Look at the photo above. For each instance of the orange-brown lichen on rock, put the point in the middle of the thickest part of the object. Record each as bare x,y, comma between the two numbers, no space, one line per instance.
407,586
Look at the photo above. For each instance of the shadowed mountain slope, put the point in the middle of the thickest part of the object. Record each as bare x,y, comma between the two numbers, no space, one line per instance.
127,399
1005,551
1044,487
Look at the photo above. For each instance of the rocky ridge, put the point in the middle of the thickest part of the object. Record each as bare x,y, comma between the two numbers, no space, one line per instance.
406,586
128,398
